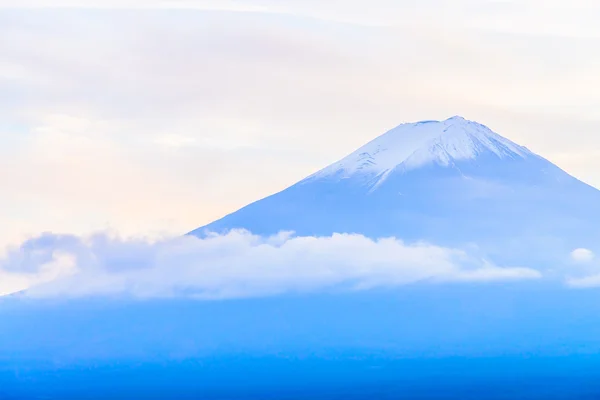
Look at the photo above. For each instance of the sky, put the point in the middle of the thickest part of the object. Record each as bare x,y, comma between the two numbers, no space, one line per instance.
151,118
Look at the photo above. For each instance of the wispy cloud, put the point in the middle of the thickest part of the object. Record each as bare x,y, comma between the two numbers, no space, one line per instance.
582,255
238,264
586,282
585,271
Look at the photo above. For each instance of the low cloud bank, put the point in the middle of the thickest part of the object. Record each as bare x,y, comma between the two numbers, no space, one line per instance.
234,265
582,255
591,281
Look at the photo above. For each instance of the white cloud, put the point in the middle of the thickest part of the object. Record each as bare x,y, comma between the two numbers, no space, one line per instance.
556,18
57,266
174,140
585,273
233,5
582,255
587,282
235,265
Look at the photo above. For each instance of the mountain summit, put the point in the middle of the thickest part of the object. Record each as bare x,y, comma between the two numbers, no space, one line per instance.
452,182
410,146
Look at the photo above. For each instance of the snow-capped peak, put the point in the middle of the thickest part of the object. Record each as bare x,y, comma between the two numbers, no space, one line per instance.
413,145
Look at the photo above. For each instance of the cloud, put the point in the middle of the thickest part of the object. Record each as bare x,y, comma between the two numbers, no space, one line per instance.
529,17
587,282
582,255
234,265
586,273
539,17
56,267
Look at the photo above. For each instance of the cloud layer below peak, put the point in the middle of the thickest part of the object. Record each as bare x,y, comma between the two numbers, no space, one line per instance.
234,265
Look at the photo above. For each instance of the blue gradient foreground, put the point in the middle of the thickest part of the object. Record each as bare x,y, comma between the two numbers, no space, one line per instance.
455,341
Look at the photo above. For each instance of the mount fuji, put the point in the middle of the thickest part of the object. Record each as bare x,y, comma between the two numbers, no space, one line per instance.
452,182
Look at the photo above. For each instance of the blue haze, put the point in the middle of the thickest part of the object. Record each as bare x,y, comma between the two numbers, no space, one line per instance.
446,341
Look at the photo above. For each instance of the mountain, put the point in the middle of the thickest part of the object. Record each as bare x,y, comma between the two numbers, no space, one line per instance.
452,182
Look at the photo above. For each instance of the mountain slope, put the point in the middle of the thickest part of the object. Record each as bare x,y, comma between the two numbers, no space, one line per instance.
453,182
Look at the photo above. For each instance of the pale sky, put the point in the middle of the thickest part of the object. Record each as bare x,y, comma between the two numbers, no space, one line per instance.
150,117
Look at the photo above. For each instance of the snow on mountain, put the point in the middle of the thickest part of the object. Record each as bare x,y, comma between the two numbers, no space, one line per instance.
452,182
410,146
